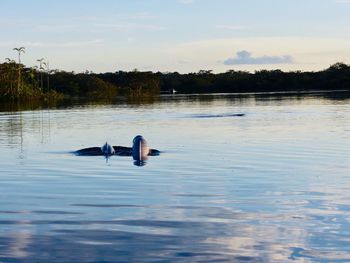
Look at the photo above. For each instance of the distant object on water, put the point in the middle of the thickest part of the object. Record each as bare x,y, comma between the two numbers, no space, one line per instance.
224,115
171,91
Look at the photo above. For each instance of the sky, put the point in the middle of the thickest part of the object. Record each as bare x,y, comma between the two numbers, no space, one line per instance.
177,35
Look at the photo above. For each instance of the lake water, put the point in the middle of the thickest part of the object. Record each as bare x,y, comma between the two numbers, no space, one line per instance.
270,186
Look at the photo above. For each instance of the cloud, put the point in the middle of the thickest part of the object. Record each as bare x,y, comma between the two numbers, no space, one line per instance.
245,58
308,53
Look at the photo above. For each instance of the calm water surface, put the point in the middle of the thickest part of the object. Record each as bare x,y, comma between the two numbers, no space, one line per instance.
270,186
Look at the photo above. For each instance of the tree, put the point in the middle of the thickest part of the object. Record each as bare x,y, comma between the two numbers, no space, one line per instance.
10,79
41,61
47,66
19,50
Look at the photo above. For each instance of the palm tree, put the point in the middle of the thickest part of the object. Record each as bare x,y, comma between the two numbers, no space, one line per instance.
19,50
47,66
41,61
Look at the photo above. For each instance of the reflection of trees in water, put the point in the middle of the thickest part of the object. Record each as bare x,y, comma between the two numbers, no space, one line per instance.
241,99
16,106
11,131
15,127
141,100
132,98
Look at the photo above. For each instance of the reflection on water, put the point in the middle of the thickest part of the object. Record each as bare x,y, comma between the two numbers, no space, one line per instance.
268,185
140,162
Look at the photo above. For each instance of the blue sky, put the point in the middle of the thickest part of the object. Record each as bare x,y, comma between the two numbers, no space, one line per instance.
177,35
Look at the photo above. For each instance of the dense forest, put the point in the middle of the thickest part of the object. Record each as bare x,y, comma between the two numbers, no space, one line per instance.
18,82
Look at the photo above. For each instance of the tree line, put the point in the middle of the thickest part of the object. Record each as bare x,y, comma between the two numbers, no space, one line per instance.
336,77
136,83
18,82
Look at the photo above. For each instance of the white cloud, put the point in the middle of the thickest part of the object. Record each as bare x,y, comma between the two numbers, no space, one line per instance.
306,53
245,58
